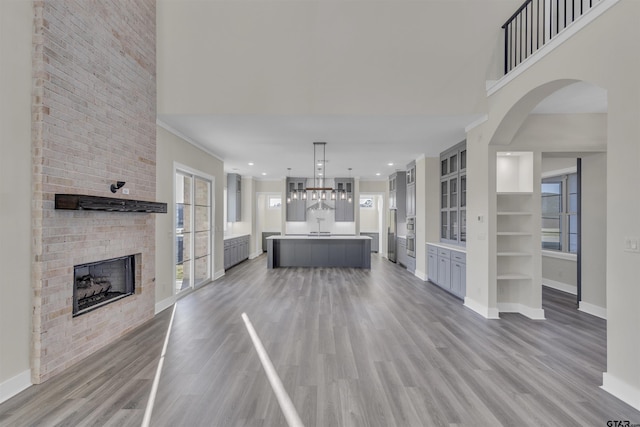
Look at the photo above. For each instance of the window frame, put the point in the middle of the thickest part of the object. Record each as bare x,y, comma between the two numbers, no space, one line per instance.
565,213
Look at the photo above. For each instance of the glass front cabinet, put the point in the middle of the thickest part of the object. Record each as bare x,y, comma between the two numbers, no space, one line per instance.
453,195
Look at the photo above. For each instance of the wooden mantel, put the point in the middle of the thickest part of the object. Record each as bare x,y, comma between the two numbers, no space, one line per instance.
78,202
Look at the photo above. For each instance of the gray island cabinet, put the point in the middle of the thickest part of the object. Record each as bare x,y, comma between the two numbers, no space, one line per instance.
320,251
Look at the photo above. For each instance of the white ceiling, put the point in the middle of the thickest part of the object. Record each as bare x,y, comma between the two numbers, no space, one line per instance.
367,144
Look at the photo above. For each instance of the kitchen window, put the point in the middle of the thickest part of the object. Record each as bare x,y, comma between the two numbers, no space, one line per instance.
275,202
560,198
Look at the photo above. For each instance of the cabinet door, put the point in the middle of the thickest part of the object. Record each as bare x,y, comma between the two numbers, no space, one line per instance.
296,207
344,208
227,256
432,267
456,277
411,200
444,272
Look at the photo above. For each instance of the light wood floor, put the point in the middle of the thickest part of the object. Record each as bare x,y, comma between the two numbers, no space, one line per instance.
353,347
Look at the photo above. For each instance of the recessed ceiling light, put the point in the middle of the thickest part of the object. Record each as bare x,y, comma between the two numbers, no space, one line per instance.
508,154
320,173
390,164
264,173
377,173
250,163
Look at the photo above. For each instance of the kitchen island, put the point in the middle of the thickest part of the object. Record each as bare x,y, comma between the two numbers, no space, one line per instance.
319,251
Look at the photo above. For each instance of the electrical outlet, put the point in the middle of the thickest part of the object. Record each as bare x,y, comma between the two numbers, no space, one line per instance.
125,191
631,244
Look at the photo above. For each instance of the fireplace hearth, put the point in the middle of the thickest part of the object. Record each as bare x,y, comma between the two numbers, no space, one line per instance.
99,283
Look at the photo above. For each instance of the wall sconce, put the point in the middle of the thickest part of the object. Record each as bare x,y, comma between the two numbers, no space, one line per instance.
115,187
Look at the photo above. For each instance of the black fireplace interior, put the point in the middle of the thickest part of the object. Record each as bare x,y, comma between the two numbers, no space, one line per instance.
99,283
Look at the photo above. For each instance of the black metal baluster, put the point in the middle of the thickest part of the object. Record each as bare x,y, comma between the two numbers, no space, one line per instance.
537,24
531,31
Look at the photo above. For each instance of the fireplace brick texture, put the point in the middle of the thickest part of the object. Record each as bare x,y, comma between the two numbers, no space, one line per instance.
93,123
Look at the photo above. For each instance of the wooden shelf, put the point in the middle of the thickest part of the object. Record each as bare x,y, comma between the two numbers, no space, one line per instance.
514,213
513,277
79,202
515,193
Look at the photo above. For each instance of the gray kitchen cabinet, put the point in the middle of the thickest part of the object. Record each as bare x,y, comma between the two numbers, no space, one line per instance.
411,264
234,197
411,190
344,210
375,240
398,194
447,268
432,263
458,274
296,204
444,268
236,250
266,234
401,251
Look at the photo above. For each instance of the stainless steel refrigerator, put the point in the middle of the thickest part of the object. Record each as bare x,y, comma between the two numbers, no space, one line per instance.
391,234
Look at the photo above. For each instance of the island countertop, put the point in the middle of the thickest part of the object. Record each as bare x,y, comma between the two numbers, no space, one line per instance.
319,251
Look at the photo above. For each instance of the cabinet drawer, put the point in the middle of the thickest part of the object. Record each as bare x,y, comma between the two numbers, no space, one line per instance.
432,250
459,256
445,253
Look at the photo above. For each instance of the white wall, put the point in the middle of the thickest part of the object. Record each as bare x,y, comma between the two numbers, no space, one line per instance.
560,273
170,149
16,20
594,234
370,216
327,57
587,56
427,201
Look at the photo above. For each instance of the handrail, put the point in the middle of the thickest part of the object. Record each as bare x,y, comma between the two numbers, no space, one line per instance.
535,23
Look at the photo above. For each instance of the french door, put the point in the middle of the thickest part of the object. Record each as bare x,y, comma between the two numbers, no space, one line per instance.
192,230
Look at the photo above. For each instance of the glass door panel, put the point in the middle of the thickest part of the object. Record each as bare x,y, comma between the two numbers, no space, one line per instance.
453,163
202,248
444,204
453,192
463,191
453,225
463,225
443,224
193,231
183,231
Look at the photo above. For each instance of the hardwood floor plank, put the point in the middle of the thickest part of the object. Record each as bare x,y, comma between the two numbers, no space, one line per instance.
352,347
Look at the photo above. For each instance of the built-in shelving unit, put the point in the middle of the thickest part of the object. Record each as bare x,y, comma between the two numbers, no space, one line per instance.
517,235
514,235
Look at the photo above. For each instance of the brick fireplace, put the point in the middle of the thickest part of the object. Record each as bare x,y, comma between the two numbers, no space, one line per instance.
94,115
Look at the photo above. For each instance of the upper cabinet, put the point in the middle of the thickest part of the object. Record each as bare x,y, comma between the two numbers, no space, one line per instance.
296,199
398,194
234,197
453,194
344,200
411,190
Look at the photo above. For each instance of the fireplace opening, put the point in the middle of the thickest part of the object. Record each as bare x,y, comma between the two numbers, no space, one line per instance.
99,283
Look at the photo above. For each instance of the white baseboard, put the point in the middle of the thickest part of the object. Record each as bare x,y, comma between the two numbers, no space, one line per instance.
165,303
481,309
256,254
622,390
592,309
218,274
564,287
420,275
15,385
514,307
